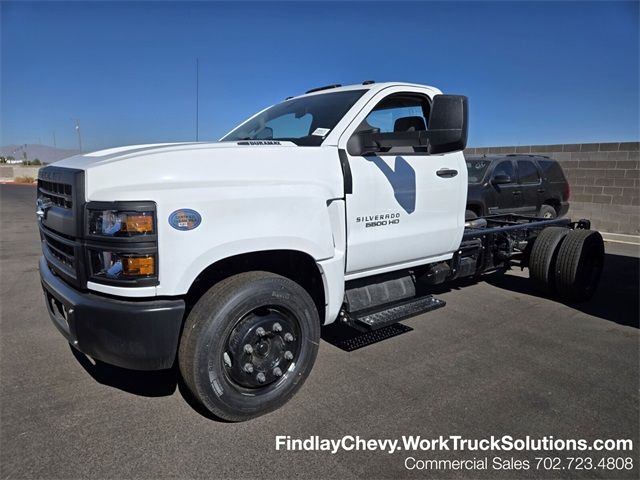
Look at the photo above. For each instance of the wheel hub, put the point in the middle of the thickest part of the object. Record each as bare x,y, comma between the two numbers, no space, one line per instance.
262,347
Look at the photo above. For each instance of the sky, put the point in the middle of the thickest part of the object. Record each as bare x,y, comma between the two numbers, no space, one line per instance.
535,73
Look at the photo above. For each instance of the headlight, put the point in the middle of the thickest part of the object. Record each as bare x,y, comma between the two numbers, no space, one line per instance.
121,243
122,266
115,223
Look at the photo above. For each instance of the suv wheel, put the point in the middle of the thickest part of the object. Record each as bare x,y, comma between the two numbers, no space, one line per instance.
547,212
249,344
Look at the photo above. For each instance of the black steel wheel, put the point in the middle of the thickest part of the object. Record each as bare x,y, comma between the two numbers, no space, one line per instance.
262,347
579,265
249,344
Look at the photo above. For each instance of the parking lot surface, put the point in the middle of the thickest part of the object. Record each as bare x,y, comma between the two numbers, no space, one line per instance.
498,360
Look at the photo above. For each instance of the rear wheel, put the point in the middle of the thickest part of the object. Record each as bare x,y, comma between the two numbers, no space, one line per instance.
579,265
543,257
249,344
547,212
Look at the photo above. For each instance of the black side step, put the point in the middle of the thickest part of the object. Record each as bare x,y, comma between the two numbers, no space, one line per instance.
350,339
390,314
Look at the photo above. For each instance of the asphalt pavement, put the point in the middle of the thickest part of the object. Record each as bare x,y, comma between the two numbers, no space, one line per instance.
498,360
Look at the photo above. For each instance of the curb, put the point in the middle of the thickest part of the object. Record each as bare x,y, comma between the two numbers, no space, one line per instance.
621,238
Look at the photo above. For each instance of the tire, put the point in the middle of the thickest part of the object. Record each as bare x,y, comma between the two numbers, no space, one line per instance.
579,265
213,358
547,212
470,215
543,257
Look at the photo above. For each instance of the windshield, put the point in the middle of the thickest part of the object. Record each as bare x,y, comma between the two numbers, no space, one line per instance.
477,169
305,121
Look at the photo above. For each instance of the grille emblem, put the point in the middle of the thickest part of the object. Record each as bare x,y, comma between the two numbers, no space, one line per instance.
42,205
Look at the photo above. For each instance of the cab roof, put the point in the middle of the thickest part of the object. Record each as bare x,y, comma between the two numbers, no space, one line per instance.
366,85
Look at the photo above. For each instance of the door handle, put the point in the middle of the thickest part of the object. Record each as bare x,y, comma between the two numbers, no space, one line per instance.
447,173
517,192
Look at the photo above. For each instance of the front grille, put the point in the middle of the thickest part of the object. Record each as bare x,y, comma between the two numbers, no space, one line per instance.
61,194
63,252
60,205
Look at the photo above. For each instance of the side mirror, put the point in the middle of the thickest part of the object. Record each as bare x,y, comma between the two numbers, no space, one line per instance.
448,123
501,179
363,143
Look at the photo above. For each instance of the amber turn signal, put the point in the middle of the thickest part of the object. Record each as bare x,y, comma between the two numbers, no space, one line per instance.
139,223
138,265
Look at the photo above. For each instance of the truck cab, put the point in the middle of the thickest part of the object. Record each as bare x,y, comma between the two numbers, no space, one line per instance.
227,257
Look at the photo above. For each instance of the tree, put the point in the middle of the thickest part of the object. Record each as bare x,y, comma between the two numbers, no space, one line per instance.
36,161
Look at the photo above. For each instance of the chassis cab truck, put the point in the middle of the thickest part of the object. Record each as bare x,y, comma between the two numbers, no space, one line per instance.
345,203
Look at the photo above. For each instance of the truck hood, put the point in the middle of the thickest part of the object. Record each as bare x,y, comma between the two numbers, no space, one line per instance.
153,172
117,154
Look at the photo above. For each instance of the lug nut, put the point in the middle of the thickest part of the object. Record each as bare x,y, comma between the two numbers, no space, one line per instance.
288,337
248,368
277,327
261,377
248,349
260,331
277,372
288,355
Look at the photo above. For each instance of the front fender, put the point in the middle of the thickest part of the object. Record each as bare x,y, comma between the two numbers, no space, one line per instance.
293,218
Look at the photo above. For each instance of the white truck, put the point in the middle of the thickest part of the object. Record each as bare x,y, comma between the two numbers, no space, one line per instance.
343,204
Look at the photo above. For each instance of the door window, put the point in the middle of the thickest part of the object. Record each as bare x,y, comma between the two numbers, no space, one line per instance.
504,168
527,172
398,113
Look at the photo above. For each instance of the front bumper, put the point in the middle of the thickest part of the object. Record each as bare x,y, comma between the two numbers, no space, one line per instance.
140,335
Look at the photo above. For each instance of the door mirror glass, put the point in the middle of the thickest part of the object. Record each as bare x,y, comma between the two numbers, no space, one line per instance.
501,179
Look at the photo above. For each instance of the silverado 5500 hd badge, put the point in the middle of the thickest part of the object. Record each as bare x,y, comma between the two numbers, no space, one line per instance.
381,220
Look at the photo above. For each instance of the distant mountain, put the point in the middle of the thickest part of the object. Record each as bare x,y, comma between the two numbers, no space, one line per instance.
44,153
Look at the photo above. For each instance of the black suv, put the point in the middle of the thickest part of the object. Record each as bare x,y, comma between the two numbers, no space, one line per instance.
525,184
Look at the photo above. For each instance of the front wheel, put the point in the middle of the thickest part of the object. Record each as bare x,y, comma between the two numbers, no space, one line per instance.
249,344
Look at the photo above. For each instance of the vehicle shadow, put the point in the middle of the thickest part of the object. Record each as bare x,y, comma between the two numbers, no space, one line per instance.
160,383
617,298
402,179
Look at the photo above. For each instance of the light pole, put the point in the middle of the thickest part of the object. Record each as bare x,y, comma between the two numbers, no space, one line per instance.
197,97
79,135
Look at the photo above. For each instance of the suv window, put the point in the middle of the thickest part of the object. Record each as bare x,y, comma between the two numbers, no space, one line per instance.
504,168
527,172
551,170
476,169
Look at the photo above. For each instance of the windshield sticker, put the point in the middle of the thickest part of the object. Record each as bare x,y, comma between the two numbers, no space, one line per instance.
321,132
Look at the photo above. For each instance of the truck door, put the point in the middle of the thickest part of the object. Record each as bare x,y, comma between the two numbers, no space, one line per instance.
531,186
505,193
406,206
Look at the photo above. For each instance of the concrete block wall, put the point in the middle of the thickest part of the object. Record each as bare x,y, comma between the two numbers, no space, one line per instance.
604,180
10,172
